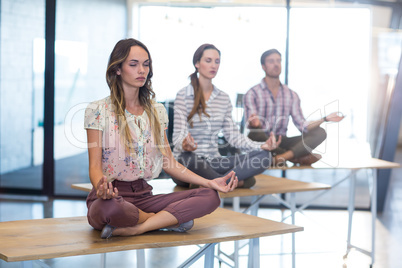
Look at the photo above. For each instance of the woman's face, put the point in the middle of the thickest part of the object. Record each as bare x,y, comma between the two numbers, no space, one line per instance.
134,70
209,63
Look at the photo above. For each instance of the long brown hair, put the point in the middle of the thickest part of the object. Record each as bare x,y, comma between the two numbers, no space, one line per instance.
199,101
146,94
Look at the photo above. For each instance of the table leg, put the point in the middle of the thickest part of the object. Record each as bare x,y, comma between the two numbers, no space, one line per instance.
209,256
351,208
140,258
204,250
219,251
293,211
236,203
373,214
236,207
255,206
254,244
254,253
26,264
103,260
29,264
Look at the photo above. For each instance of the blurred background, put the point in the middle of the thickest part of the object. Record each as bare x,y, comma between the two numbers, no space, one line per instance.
337,55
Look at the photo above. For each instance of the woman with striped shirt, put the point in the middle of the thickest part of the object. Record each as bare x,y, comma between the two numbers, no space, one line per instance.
201,112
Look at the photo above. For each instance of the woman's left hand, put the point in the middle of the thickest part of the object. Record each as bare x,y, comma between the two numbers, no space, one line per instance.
220,184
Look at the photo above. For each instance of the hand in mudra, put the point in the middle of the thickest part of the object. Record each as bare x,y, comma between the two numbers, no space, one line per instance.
189,144
105,190
220,184
335,117
271,143
254,121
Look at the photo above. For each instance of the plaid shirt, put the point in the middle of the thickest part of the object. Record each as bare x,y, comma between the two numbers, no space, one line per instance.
274,113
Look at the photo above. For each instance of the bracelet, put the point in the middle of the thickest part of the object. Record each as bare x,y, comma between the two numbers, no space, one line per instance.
325,119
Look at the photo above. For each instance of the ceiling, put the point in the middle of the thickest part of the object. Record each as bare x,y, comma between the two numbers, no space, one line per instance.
395,6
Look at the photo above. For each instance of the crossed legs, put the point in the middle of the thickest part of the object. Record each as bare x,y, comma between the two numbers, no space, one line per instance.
244,165
296,149
137,210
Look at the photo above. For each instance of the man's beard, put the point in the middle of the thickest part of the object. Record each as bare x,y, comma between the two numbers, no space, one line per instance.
273,76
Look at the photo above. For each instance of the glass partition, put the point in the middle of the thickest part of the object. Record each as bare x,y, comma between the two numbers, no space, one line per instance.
22,57
329,69
242,34
329,66
86,32
328,62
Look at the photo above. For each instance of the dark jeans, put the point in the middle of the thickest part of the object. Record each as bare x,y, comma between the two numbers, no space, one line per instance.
299,145
245,165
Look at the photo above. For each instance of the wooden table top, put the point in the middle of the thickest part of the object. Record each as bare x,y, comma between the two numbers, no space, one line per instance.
349,162
61,237
265,185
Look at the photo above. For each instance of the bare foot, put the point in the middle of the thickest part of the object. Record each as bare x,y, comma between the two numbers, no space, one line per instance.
306,160
279,162
128,231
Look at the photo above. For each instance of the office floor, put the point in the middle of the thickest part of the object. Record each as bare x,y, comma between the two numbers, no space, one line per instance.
321,244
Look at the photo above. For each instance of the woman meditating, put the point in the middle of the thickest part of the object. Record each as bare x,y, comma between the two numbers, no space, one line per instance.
127,147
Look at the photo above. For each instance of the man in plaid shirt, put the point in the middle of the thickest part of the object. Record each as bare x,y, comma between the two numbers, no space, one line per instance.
268,107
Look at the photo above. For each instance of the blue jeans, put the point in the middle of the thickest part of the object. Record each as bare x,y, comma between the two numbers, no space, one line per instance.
245,165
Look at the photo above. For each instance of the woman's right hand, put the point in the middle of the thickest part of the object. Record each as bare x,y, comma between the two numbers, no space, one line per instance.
188,143
105,190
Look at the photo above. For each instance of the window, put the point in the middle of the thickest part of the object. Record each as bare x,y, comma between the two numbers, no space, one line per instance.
242,34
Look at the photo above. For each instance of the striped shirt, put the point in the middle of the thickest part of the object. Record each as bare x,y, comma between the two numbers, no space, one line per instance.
205,130
274,113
